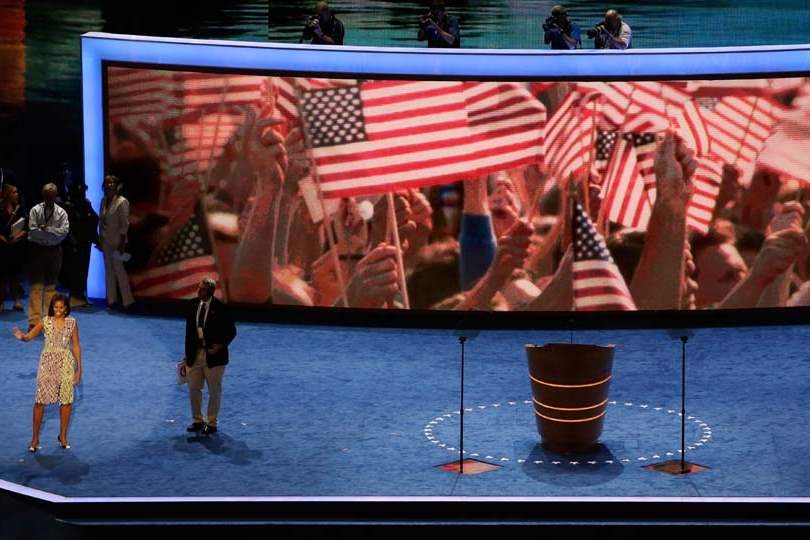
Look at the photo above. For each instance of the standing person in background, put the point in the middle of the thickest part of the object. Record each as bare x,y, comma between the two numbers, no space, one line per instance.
114,224
438,28
612,33
48,225
60,366
323,28
560,31
12,246
209,331
83,233
64,179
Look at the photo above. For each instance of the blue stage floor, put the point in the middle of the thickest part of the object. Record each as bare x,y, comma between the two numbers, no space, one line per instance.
313,411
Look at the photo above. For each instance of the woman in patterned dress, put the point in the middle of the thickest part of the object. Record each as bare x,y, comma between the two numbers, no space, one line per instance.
59,368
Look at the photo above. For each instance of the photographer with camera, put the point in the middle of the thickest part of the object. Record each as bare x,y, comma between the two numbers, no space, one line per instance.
438,28
560,31
612,33
323,28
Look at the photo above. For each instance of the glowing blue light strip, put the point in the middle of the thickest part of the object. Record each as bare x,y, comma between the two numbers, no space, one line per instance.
417,63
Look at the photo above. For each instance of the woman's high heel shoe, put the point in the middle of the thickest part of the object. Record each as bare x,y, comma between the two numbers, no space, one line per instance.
63,445
32,448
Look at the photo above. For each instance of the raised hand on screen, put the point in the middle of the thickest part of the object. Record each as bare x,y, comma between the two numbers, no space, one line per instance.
404,217
375,279
261,148
790,216
729,186
352,233
421,214
325,280
513,248
674,167
298,166
758,199
503,205
778,253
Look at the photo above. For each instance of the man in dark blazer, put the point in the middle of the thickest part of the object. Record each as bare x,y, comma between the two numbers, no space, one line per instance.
209,331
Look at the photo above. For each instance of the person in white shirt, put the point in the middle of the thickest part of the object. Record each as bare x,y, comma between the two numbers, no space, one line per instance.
48,226
613,33
114,225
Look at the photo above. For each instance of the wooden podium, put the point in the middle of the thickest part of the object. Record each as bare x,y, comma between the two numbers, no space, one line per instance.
570,391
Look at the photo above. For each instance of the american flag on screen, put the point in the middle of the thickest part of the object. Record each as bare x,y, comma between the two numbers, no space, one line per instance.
538,87
379,136
739,126
706,183
598,284
287,89
180,264
140,94
690,125
605,142
650,107
787,151
205,93
510,118
622,101
212,109
625,198
571,135
201,142
765,87
645,145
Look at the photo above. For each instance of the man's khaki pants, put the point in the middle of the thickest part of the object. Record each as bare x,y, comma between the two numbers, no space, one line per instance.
196,375
43,270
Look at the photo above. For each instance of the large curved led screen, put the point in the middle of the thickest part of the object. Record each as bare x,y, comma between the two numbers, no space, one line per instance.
442,194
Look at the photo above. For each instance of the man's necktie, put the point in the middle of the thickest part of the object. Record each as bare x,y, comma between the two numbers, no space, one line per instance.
201,317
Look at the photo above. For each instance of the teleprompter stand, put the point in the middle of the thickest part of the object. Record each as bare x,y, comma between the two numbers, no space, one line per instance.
679,466
464,465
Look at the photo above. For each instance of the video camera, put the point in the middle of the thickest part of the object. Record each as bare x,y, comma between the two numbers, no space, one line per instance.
311,22
596,30
432,16
551,23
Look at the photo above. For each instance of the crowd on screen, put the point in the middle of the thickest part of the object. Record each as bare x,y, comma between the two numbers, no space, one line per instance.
442,30
691,218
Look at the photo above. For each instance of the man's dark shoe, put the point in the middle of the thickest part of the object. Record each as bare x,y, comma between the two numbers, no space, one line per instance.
195,427
208,430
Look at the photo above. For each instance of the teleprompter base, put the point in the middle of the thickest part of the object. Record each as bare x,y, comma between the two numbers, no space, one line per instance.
673,466
471,466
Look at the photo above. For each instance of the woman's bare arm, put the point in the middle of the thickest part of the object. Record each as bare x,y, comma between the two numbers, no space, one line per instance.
32,333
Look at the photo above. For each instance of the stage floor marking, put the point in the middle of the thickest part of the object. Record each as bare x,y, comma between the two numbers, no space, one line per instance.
704,430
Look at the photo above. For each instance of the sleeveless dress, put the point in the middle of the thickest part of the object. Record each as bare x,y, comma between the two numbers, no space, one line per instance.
56,363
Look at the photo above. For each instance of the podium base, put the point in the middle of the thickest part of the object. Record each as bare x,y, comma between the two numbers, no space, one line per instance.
673,466
471,466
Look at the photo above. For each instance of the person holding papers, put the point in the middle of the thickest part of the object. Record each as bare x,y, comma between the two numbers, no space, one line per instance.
12,247
114,225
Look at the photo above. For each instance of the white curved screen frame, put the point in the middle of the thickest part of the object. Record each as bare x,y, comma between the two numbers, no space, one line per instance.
456,64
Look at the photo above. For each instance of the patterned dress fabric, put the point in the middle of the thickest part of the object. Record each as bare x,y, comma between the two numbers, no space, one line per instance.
56,363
